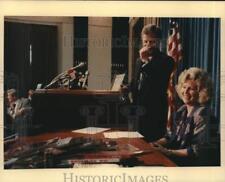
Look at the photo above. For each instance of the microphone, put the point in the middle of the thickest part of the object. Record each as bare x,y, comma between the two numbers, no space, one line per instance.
71,70
78,66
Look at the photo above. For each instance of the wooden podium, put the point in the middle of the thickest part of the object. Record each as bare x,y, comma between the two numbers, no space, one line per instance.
57,109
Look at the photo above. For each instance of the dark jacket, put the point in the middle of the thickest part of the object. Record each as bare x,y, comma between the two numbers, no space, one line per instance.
152,94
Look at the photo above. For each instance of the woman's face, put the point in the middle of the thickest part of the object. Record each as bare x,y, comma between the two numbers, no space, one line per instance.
190,92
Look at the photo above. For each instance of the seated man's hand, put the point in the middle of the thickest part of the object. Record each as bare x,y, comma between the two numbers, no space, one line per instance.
20,111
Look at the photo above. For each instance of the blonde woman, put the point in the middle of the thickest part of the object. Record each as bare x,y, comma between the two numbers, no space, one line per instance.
189,134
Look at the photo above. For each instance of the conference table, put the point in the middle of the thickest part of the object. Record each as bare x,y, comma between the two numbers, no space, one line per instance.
131,151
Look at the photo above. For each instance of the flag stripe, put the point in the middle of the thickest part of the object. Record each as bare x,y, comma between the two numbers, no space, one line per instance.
174,44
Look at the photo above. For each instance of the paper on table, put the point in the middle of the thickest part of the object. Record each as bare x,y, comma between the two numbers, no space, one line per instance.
90,130
123,134
95,165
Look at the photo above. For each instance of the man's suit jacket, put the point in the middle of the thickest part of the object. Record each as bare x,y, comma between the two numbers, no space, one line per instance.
152,94
19,104
156,76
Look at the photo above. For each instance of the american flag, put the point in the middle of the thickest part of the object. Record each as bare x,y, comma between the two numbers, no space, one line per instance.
174,49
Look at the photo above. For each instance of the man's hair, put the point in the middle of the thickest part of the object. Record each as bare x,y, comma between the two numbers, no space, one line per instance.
12,92
152,30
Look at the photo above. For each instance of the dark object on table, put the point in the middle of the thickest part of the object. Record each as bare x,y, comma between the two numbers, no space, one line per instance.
53,152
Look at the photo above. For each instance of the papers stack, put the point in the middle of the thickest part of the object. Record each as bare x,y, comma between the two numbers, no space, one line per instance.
90,130
123,134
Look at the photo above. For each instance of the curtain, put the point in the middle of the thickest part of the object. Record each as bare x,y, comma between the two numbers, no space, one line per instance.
16,57
44,53
201,48
30,55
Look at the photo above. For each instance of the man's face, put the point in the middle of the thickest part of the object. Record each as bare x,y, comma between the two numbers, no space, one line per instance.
151,43
11,98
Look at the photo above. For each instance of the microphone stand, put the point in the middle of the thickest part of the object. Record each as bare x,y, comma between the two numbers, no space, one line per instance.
69,82
62,75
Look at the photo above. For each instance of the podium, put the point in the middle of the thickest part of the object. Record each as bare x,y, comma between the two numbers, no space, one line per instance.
59,109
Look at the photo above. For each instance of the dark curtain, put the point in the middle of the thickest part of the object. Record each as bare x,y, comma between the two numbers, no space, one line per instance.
44,54
136,42
80,40
201,48
30,55
16,57
120,32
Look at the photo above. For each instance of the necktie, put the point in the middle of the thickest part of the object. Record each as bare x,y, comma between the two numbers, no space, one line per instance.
141,77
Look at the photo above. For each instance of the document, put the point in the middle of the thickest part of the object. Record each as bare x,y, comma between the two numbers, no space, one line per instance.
91,130
95,165
117,82
122,134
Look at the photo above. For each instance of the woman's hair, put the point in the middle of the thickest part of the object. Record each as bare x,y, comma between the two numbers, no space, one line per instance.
201,78
152,30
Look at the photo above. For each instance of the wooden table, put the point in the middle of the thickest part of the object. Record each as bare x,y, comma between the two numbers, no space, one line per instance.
151,158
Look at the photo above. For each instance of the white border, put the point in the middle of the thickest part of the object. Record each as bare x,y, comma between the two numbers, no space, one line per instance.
100,8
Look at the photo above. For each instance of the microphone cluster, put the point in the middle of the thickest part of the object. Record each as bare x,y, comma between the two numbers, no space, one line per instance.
70,78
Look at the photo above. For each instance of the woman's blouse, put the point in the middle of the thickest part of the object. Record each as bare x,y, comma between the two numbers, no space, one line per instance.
190,132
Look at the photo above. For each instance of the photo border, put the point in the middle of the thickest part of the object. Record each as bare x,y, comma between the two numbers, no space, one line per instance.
112,9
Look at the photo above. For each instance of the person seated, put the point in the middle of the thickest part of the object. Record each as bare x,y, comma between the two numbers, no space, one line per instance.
188,137
19,111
